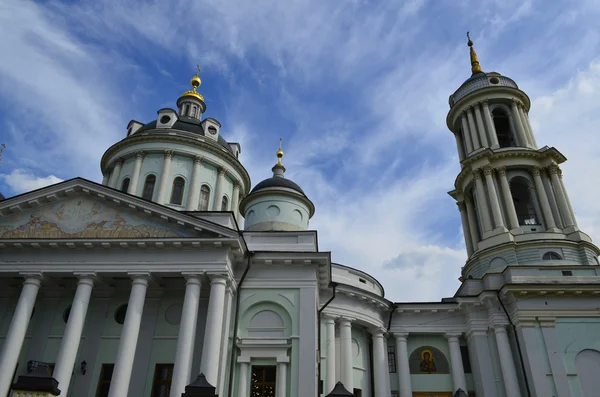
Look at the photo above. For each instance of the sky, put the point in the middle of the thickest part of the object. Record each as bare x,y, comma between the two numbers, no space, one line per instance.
357,89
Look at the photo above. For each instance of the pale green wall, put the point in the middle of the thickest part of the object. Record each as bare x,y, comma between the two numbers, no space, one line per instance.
430,382
574,335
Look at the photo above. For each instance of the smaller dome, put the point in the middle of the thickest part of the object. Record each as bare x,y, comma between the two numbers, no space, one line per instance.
276,181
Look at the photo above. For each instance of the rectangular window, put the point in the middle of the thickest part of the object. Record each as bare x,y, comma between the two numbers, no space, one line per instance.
392,358
464,352
163,375
104,381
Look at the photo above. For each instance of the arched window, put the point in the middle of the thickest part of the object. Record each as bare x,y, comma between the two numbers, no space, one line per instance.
428,360
204,197
551,256
193,111
502,126
177,192
125,185
523,201
266,323
587,363
224,204
148,191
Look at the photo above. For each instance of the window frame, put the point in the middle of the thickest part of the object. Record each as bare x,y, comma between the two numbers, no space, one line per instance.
224,200
207,198
125,187
102,381
178,182
159,382
391,355
551,256
145,190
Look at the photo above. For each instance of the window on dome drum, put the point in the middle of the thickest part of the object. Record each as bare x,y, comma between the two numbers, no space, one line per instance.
204,197
263,380
503,131
392,358
551,256
104,381
148,191
125,185
224,204
193,111
177,192
163,375
523,201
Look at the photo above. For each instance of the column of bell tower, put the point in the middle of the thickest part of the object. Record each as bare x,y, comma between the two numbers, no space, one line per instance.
514,206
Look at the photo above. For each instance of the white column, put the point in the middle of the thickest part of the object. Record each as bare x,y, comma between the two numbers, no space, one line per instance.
281,380
11,348
543,199
472,218
482,202
564,189
135,177
491,188
509,373
219,190
519,124
115,174
459,146
105,178
225,342
235,200
346,367
511,213
403,368
458,372
194,195
473,128
526,126
480,127
465,225
213,333
330,354
466,133
243,380
182,370
379,367
119,385
563,206
489,123
165,178
71,339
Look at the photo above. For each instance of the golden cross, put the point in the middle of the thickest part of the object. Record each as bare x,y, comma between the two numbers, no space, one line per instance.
198,67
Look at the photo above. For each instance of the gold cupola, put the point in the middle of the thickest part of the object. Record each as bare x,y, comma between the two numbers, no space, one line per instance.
191,103
195,82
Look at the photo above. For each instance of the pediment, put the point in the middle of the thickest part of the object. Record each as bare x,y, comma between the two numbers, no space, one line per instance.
79,209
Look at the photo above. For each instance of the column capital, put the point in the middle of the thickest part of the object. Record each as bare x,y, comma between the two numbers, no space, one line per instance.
168,154
554,169
401,336
218,278
198,160
501,171
488,171
499,328
236,185
329,317
536,171
470,108
485,103
477,173
119,161
193,277
515,102
461,206
452,336
139,155
345,321
32,275
221,171
86,277
377,332
140,277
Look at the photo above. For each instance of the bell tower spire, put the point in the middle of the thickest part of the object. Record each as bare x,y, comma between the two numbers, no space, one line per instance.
514,206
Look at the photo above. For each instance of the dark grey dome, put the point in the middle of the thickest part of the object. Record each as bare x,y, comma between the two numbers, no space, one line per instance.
277,181
189,124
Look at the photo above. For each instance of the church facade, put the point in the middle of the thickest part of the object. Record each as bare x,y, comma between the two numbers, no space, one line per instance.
134,286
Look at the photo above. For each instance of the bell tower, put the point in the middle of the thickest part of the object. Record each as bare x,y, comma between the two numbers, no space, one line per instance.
514,206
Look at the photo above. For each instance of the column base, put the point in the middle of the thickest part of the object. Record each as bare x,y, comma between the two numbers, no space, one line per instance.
579,236
494,240
570,229
553,230
516,231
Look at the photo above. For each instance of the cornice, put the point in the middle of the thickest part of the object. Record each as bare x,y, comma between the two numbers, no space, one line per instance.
178,136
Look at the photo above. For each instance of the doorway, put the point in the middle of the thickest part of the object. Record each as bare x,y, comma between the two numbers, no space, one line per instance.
264,380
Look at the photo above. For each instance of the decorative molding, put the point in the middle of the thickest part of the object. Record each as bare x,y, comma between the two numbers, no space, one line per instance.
487,171
168,154
476,174
501,171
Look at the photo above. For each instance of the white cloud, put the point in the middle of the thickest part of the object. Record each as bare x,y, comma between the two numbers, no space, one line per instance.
21,181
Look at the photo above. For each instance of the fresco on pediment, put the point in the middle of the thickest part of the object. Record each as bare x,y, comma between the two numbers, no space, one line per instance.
82,218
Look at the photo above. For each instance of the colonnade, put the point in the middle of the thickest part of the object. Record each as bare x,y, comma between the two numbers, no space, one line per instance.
479,130
213,335
494,220
111,179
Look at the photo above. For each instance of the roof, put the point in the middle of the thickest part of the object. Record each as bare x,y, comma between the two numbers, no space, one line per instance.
277,181
189,124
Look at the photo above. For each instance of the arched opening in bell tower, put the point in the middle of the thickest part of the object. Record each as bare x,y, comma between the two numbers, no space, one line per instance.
521,192
503,130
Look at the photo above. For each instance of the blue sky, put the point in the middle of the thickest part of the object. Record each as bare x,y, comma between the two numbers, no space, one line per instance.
357,89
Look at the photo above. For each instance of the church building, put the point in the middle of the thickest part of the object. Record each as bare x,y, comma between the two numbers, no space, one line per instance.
176,265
